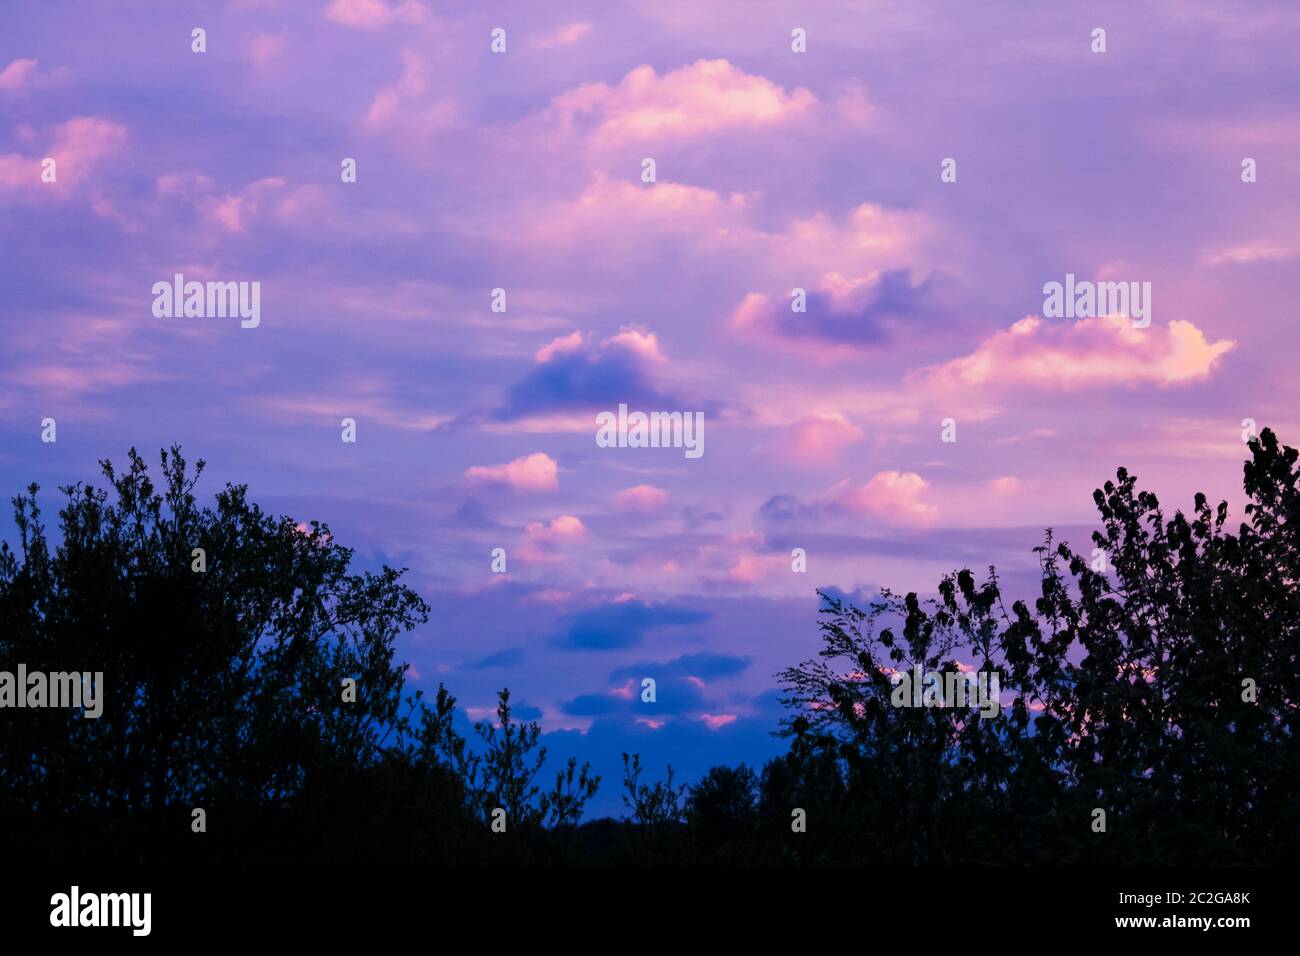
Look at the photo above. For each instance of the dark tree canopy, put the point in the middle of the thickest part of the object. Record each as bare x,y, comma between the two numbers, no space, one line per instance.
1132,686
225,691
1153,676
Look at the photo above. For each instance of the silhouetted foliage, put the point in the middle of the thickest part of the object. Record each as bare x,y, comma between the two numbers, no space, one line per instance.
224,692
656,813
502,774
1125,689
722,814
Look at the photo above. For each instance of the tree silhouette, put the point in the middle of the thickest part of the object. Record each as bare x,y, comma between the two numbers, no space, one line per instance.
722,814
1154,678
501,775
224,677
657,813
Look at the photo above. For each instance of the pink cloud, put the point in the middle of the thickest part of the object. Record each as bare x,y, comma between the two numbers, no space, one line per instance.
641,498
371,14
558,346
744,562
359,400
1006,485
638,340
1106,350
301,205
16,74
542,543
186,185
817,439
323,538
77,146
96,375
896,497
83,141
401,107
543,424
618,223
618,203
714,721
105,209
706,96
263,48
564,36
536,472
1251,252
747,569
234,212
564,526
18,171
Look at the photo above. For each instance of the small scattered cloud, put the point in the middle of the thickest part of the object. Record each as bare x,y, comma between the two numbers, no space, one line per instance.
1251,252
815,440
17,74
263,49
235,212
895,497
566,35
543,543
404,107
715,721
373,14
642,499
1006,485
535,472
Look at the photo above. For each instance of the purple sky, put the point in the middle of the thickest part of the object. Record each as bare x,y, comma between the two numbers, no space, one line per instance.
775,170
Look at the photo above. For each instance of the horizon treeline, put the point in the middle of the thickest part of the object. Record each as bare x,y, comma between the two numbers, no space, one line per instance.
254,711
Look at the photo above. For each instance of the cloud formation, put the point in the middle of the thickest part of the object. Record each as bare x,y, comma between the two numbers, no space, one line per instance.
623,624
705,97
1102,351
849,313
17,74
372,14
643,499
895,497
535,472
573,375
816,440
